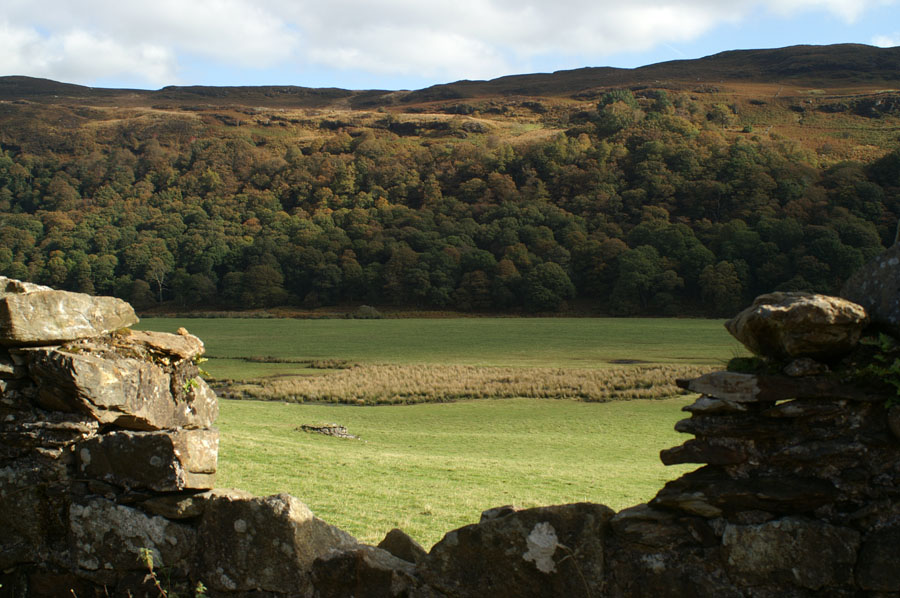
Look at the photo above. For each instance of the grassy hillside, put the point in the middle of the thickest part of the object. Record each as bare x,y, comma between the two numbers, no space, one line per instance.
768,88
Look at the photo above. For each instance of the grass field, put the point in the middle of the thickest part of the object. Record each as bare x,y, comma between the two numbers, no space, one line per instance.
499,342
431,468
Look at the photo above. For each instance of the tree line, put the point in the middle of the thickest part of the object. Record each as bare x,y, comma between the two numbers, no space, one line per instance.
645,206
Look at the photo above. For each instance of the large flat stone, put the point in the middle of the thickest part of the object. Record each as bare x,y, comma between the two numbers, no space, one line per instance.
39,316
709,492
166,461
737,387
129,393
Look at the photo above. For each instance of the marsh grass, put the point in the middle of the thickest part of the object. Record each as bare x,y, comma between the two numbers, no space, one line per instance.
406,384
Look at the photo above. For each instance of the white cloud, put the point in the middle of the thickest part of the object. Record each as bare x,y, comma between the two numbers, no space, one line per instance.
440,39
81,56
886,41
848,10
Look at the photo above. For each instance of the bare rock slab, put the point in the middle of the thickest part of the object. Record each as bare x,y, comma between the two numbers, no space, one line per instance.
32,315
876,286
129,393
264,544
166,461
791,325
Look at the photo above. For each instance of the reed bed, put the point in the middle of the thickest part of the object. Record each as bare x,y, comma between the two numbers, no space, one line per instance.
407,384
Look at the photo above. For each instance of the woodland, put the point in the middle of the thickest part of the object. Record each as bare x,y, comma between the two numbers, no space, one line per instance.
652,199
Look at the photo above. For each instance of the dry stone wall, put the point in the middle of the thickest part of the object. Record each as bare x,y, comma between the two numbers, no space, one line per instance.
108,460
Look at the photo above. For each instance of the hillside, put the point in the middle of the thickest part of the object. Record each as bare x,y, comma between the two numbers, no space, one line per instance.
839,67
681,187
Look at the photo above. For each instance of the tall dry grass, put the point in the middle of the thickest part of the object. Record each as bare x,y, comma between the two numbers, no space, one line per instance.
393,384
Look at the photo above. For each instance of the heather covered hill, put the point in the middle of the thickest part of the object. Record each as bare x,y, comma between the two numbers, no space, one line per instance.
685,187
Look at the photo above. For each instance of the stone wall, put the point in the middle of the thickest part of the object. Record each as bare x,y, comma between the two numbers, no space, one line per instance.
108,460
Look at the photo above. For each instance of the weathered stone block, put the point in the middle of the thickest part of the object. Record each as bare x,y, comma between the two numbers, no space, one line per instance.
11,286
789,325
32,508
738,387
107,536
794,551
650,528
167,346
17,395
264,544
715,451
399,544
732,387
31,315
709,492
709,406
129,393
877,568
364,572
665,555
183,505
894,421
546,551
26,432
10,369
166,461
876,287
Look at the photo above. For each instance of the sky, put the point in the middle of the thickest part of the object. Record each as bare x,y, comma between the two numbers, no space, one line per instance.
401,44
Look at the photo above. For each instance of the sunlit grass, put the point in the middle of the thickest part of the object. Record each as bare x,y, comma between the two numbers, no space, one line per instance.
497,342
431,468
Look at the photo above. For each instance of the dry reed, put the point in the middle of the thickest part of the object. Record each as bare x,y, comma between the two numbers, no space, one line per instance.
393,384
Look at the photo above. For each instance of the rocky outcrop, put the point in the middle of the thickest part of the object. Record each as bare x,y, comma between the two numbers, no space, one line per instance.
108,460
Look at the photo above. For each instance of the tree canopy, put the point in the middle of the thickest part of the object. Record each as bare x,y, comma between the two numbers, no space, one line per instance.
643,207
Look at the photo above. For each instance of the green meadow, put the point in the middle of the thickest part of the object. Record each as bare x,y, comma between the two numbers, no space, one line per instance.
429,468
512,342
